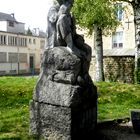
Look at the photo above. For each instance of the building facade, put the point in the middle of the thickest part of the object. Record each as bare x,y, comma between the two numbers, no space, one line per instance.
8,23
124,36
118,47
19,53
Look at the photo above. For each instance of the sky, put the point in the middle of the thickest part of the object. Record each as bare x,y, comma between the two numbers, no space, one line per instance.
31,12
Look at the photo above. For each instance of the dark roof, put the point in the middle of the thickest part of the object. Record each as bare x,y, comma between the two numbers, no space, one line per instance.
7,17
42,34
118,52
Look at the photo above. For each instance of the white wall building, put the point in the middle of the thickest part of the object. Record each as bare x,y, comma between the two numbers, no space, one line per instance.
19,53
120,43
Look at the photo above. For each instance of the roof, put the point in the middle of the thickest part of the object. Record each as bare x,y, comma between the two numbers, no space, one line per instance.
118,52
7,17
42,34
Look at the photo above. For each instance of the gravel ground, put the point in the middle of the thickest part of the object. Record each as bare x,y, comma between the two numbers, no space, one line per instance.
117,131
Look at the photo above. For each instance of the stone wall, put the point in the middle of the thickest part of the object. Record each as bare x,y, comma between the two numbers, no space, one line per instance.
116,68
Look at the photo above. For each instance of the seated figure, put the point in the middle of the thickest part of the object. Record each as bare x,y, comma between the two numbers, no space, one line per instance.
63,27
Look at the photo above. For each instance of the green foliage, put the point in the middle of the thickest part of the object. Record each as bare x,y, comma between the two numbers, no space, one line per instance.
95,12
29,32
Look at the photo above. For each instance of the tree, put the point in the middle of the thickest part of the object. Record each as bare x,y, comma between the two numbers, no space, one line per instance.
136,8
97,15
29,32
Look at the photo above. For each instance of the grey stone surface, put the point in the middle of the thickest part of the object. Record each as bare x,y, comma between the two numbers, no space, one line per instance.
61,123
51,122
61,79
58,94
64,105
63,91
57,82
51,28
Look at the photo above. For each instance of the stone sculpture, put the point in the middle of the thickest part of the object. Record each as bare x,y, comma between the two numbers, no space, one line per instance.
64,99
51,26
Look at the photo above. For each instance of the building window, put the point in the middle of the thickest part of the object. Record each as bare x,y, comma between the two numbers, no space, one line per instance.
12,40
117,39
119,11
34,41
42,44
11,24
3,57
25,41
3,39
30,41
9,40
17,41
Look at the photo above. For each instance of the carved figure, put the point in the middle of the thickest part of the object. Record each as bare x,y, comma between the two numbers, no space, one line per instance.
51,26
63,26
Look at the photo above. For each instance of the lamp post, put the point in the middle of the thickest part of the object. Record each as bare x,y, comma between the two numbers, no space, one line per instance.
18,59
18,63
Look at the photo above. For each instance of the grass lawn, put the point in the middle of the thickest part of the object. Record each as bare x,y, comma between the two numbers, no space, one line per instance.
114,101
15,93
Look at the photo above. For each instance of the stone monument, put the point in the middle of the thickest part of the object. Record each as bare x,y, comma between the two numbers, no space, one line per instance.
64,104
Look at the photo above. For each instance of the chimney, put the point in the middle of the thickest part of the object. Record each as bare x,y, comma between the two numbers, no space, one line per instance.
13,15
36,31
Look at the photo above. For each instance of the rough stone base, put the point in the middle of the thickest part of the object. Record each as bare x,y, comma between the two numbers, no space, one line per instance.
61,123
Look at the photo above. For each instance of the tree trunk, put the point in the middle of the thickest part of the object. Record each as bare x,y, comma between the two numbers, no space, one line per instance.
99,74
136,9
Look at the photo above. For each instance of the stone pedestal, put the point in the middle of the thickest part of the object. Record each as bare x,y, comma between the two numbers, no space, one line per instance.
64,99
135,118
61,123
51,122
